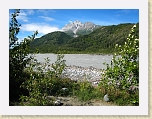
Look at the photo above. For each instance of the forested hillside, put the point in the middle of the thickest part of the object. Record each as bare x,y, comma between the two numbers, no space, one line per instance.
50,42
100,41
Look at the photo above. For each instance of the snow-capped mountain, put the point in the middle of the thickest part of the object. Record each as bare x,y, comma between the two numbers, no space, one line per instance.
77,28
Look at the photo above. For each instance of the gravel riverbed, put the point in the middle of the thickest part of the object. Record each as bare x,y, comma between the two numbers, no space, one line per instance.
76,73
80,66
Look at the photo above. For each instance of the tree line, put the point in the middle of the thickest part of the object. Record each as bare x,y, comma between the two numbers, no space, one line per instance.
102,40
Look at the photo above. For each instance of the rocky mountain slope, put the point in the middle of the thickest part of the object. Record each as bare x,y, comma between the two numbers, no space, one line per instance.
78,28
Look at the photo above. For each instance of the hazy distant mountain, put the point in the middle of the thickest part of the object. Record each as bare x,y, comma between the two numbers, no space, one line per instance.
78,28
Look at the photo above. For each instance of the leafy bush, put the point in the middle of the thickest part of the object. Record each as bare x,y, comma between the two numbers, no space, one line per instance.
36,85
18,59
59,65
123,72
45,79
83,90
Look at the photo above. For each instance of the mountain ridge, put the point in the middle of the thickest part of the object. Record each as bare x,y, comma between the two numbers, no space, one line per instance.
101,40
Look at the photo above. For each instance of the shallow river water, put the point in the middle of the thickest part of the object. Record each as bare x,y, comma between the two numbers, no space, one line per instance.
83,60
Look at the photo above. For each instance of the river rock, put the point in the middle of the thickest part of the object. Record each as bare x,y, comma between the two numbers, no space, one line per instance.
57,102
106,98
76,73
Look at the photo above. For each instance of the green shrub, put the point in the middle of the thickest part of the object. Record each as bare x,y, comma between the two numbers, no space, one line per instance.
59,65
123,72
83,90
18,58
44,81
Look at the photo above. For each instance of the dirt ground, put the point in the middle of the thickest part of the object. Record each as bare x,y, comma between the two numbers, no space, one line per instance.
71,101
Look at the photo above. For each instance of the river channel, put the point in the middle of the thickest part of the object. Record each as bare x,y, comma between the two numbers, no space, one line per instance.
83,60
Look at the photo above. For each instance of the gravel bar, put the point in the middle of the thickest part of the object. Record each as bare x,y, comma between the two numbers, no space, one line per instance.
82,73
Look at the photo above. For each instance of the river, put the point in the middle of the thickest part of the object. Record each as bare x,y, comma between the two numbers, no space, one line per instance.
83,60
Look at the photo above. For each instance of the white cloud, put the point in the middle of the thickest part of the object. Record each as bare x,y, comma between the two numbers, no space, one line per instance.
29,12
70,21
45,11
46,18
42,28
123,11
23,15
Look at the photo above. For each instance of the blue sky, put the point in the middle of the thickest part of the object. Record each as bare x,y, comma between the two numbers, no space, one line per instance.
50,20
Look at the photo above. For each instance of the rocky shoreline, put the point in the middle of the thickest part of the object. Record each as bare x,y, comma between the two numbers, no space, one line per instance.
91,74
76,73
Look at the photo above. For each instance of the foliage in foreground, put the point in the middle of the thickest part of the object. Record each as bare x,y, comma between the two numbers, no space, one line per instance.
45,79
18,58
121,79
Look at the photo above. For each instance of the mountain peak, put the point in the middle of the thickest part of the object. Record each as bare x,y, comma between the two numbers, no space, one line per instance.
74,28
77,21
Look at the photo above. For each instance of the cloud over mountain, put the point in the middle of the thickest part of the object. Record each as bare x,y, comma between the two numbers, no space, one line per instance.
42,28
